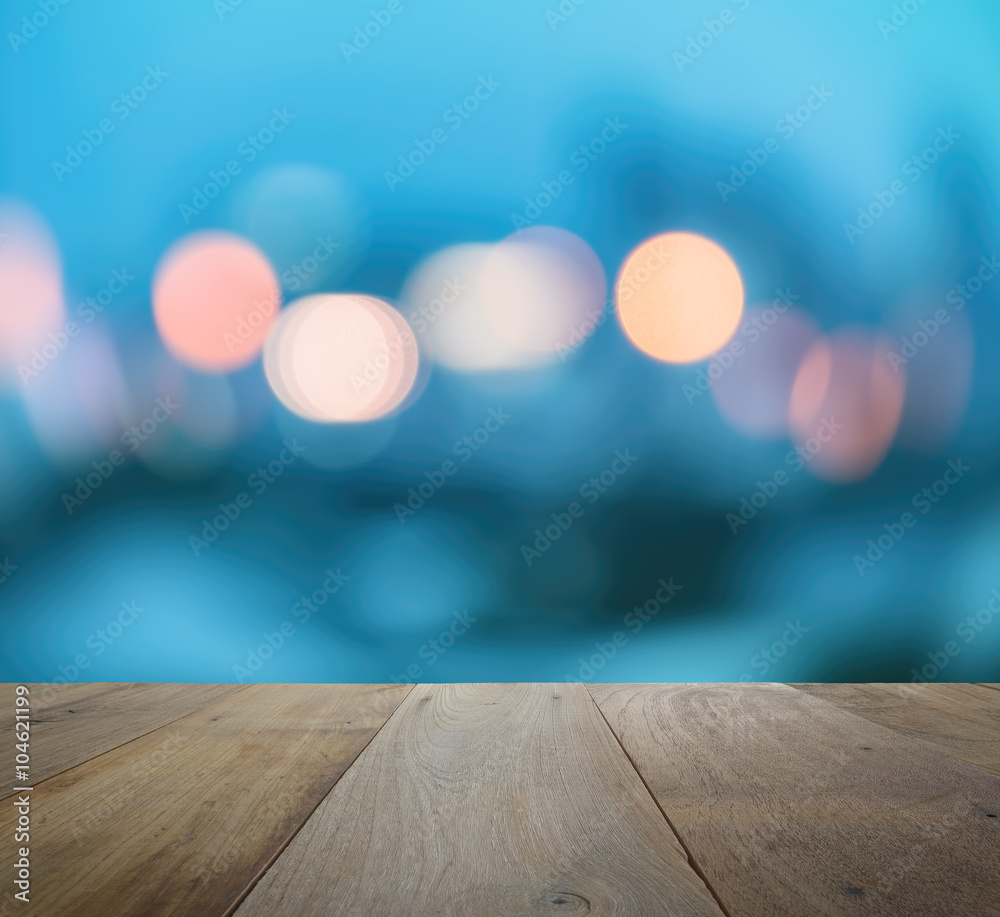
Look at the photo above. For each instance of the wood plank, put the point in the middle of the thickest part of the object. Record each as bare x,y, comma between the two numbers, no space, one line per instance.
72,723
993,685
486,801
953,717
791,806
981,693
183,820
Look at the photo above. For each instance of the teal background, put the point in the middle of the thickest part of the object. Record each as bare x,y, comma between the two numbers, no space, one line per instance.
228,68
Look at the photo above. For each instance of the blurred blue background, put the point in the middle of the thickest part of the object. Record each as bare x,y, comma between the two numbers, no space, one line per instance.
446,594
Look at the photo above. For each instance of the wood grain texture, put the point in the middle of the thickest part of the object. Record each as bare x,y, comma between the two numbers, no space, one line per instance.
72,723
988,684
182,821
486,801
981,693
791,806
957,718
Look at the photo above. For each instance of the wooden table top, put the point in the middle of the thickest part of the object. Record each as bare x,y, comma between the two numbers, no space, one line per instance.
502,800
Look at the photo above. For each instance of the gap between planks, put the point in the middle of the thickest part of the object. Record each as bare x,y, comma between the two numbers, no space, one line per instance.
107,715
680,840
280,850
486,800
792,805
181,827
963,720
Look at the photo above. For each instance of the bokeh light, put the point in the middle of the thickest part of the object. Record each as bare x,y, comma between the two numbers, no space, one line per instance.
939,372
752,376
679,297
444,304
74,403
846,404
350,198
341,358
215,297
309,221
98,382
150,373
32,311
541,287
